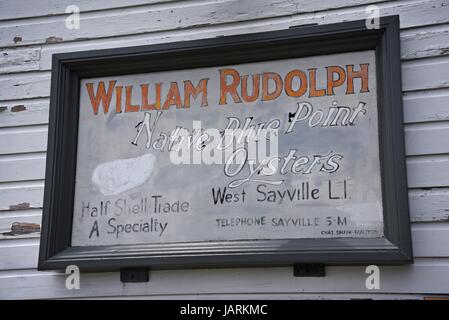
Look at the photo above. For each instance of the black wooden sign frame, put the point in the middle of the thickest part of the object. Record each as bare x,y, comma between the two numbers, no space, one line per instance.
56,251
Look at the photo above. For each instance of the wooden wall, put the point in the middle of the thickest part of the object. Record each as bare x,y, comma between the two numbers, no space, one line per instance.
31,31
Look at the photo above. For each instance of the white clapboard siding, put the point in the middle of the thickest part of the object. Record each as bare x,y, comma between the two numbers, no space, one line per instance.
427,105
145,19
394,279
139,20
21,195
429,205
23,139
25,86
9,218
16,9
425,74
22,167
24,112
19,60
18,254
430,239
24,9
411,48
32,59
428,171
425,42
427,138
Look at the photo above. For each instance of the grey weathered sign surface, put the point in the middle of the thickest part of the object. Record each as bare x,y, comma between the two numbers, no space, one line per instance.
153,165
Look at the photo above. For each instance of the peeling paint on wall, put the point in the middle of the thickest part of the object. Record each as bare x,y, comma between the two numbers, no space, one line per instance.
20,206
18,108
19,228
53,40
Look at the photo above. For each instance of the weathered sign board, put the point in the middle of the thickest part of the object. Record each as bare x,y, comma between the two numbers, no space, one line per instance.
269,148
132,188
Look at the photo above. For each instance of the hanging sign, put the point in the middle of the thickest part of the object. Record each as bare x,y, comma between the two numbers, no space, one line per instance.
269,148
